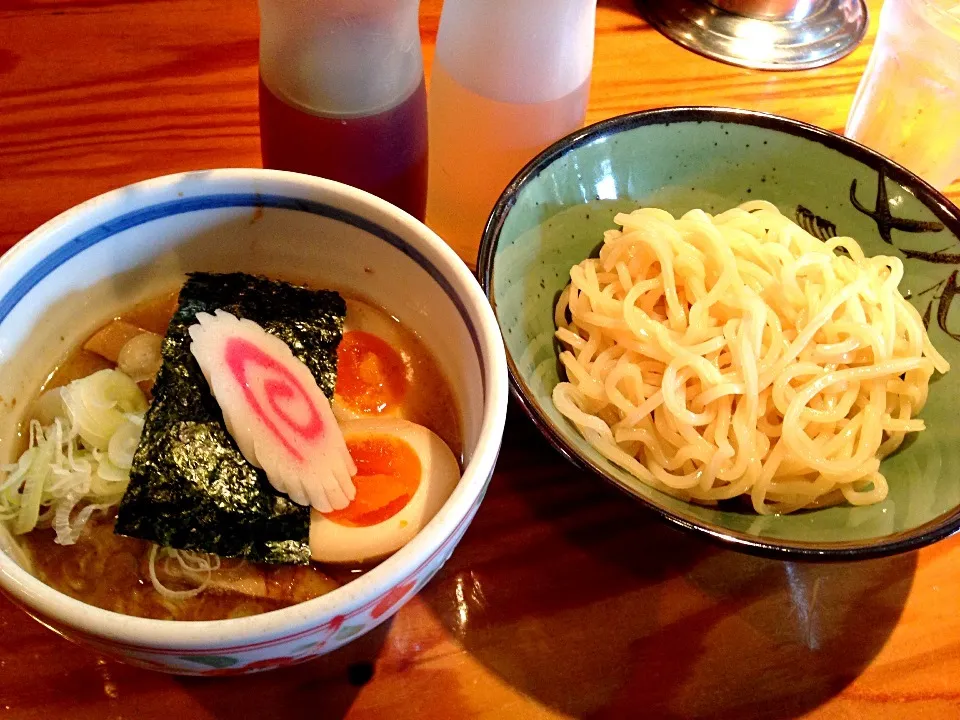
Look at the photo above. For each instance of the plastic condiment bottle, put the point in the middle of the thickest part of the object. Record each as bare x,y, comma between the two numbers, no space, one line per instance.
342,94
508,79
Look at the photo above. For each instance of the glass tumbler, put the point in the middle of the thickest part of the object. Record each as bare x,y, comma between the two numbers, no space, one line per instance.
907,106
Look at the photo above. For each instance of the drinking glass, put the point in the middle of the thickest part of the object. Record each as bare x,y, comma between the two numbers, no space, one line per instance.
907,106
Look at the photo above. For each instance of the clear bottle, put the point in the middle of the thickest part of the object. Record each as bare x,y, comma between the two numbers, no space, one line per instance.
506,82
342,94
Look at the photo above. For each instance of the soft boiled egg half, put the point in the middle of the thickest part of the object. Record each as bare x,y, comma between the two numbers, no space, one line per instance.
374,365
405,473
383,370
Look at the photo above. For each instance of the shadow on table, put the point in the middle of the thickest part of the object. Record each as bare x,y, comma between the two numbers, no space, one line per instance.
578,597
326,687
627,6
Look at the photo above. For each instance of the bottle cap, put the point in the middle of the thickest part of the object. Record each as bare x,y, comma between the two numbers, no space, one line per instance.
521,51
341,58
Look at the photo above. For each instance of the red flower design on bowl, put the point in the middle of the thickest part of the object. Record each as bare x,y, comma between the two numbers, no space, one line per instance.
395,595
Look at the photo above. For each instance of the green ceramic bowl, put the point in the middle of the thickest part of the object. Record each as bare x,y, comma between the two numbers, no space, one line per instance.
554,212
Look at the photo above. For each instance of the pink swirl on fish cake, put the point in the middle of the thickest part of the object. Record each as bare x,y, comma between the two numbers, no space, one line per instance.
239,354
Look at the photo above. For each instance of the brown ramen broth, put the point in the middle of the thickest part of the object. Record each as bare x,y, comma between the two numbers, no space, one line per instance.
112,571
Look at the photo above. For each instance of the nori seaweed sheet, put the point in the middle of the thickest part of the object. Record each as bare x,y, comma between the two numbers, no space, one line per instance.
190,487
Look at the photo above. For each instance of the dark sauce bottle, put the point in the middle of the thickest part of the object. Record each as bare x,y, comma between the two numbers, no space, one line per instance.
342,95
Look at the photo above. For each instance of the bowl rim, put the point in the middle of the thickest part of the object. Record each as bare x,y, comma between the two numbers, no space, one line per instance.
270,630
936,529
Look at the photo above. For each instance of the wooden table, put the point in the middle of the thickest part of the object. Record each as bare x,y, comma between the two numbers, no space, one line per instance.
565,597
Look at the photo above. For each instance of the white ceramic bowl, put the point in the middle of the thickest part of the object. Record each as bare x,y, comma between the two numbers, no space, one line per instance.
86,265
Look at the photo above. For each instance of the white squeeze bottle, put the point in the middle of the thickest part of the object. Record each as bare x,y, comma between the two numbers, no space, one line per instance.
508,79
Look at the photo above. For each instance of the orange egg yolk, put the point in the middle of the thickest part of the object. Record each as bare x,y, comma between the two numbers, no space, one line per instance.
388,475
371,375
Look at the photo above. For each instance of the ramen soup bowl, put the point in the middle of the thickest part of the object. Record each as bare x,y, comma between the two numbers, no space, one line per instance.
90,263
553,214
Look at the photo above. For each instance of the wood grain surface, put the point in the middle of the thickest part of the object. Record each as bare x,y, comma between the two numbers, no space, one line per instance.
565,598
